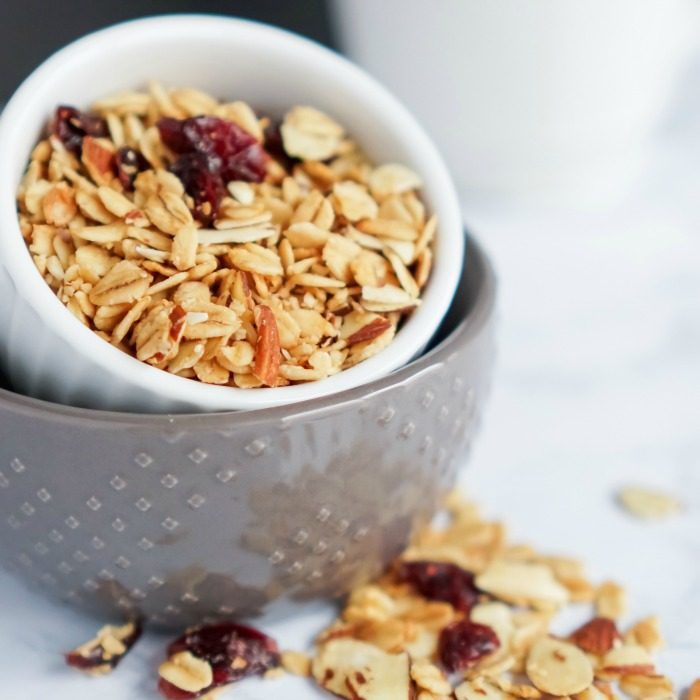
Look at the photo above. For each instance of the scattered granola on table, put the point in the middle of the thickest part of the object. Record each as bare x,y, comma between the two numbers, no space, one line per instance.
219,246
464,614
461,615
102,654
648,503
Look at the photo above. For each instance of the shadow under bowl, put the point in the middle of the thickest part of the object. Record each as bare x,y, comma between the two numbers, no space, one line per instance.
185,518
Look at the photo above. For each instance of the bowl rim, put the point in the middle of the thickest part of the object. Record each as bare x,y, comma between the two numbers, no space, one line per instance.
481,310
412,337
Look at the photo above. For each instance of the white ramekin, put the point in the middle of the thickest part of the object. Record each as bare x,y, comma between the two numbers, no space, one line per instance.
46,351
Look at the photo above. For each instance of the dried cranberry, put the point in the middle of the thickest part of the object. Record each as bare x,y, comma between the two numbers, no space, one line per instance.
441,581
209,135
99,653
275,146
233,651
211,152
250,165
463,643
204,186
130,163
71,125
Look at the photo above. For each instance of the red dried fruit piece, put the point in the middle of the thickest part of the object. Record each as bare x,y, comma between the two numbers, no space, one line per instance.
205,187
71,126
210,136
369,332
250,165
233,651
103,653
275,146
440,581
211,152
130,163
463,643
268,354
597,636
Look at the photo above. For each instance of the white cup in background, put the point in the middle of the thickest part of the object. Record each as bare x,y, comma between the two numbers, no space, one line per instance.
524,95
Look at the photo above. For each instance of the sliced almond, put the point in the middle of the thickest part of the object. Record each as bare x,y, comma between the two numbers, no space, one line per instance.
627,659
522,583
558,668
597,636
98,159
641,687
648,503
368,331
480,689
361,671
267,350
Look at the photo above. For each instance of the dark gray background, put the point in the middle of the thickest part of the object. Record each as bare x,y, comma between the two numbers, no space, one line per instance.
30,30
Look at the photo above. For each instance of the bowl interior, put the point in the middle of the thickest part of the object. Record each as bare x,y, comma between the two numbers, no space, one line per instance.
272,70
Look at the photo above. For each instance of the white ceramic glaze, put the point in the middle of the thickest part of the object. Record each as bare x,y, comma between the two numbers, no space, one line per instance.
46,351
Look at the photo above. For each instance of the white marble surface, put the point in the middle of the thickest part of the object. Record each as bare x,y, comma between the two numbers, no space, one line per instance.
598,384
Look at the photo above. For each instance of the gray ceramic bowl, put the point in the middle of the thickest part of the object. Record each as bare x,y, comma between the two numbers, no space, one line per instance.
191,517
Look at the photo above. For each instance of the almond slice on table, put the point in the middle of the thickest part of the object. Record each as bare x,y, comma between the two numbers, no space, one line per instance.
597,636
627,659
361,671
648,503
558,668
522,583
643,687
480,689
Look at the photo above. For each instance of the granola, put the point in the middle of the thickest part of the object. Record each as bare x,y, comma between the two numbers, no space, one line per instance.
430,629
462,599
221,246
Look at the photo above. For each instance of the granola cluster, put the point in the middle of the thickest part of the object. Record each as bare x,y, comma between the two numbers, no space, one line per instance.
220,246
464,615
